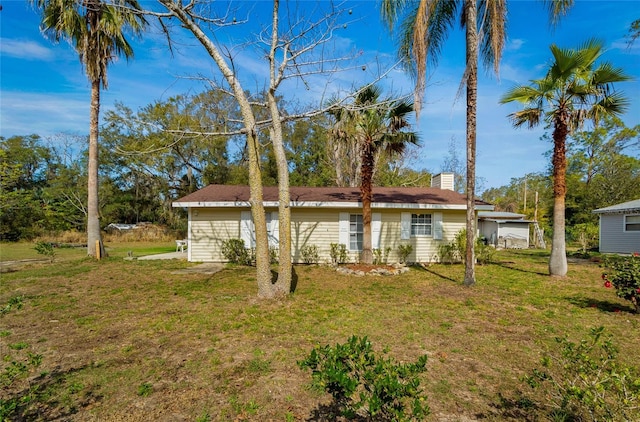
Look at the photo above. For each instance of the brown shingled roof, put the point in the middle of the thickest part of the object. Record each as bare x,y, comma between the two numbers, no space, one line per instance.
395,195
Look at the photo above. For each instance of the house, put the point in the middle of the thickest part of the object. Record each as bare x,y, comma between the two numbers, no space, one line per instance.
620,227
504,229
421,217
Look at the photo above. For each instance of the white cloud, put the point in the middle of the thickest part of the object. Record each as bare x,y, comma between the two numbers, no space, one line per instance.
515,44
25,49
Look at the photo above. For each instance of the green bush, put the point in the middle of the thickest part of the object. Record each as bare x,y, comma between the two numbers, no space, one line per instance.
403,252
338,253
586,234
624,274
274,253
456,250
310,254
584,381
363,384
46,249
380,257
235,252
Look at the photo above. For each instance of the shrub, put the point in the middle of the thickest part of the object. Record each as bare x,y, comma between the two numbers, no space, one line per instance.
235,252
273,254
310,254
584,381
361,383
403,252
381,258
338,253
456,250
46,249
586,234
624,274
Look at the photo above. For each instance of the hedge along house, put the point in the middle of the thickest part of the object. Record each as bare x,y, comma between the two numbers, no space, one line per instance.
620,227
320,217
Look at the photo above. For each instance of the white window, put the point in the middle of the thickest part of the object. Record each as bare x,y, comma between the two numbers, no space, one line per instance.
356,230
421,225
632,223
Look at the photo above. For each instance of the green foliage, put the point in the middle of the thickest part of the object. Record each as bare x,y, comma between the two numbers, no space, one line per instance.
404,251
583,381
338,253
361,382
624,274
455,251
380,257
15,302
145,389
273,254
310,254
15,368
586,234
46,249
235,252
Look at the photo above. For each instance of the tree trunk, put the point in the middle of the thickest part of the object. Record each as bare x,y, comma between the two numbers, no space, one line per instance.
366,256
263,269
558,259
93,210
472,87
283,283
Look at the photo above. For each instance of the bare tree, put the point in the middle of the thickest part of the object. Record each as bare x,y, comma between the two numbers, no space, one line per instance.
297,49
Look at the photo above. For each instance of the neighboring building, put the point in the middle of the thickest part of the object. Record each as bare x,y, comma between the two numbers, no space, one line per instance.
421,217
620,227
504,229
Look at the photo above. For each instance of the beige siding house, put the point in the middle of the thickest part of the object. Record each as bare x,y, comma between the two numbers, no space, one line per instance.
421,217
620,227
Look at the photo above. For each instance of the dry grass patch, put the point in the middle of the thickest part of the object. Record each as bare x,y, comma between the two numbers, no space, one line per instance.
131,340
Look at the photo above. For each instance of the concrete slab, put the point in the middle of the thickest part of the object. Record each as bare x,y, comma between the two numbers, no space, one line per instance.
170,255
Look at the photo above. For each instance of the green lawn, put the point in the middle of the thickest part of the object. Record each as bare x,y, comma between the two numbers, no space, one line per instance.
135,340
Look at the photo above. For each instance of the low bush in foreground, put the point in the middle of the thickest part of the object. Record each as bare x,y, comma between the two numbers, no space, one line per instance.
362,383
585,382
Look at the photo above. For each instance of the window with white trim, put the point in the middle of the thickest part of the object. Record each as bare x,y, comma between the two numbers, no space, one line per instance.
421,225
632,223
356,232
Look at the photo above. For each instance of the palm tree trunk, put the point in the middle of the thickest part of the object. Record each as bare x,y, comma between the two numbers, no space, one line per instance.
558,259
93,211
366,256
472,94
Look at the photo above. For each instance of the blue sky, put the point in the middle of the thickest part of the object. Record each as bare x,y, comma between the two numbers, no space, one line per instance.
43,89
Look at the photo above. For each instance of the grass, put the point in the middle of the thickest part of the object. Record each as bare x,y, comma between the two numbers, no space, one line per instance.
133,340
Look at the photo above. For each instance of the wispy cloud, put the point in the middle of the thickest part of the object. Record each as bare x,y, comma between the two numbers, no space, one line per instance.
515,44
25,49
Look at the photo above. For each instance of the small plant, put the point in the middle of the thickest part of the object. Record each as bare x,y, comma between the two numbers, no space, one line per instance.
13,303
404,251
586,234
46,249
624,274
273,254
145,389
381,257
584,381
310,254
456,250
362,383
338,253
235,252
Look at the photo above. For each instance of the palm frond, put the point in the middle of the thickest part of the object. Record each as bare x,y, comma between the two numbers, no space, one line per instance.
493,16
529,116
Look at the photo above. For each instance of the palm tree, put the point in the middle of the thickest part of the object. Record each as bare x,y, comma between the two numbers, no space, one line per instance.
97,31
575,89
424,29
377,126
425,26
